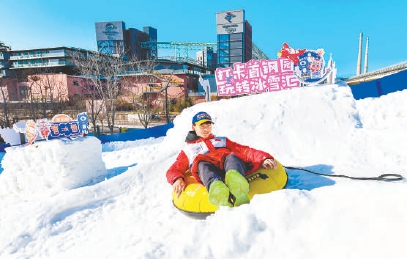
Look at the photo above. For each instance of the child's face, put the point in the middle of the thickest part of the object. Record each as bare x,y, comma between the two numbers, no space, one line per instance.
204,130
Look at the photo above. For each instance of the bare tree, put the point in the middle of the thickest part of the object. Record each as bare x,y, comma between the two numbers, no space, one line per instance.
146,110
31,109
143,85
102,73
149,90
4,98
93,99
33,102
48,92
76,103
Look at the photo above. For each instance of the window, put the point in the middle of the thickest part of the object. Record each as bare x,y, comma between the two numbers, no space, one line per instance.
235,52
223,52
236,59
223,45
23,92
236,45
223,37
236,36
223,59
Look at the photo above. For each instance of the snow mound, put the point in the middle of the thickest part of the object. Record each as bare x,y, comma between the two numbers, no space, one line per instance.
47,167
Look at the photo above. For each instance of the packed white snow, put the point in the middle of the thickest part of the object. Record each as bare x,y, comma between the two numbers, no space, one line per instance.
81,199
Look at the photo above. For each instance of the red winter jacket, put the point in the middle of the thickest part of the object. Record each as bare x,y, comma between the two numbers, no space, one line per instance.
213,150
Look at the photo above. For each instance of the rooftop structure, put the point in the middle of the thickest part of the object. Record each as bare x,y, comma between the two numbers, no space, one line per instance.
114,39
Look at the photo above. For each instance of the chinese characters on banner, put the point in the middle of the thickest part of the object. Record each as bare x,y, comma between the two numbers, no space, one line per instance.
61,126
64,129
256,76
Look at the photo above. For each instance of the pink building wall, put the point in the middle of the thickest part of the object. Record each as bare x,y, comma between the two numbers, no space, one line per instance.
64,86
9,88
45,86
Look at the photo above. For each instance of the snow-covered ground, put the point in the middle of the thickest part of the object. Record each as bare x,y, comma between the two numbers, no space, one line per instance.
81,199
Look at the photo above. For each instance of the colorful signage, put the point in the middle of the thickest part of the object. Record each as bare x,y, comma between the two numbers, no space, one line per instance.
109,31
61,126
65,129
42,126
31,132
230,22
309,65
256,76
83,120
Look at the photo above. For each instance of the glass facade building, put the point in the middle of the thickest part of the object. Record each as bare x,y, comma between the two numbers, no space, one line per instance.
234,38
114,39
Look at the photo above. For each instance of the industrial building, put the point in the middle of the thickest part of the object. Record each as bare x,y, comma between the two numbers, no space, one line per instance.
234,38
114,39
234,44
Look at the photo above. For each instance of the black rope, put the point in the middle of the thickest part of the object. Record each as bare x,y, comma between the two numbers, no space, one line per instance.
383,177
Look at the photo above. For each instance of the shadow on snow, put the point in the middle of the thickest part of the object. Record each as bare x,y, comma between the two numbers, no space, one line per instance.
302,180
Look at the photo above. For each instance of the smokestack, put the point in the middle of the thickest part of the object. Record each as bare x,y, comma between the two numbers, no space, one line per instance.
366,54
359,64
331,66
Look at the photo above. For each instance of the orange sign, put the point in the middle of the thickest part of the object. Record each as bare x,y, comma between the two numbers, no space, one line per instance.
61,118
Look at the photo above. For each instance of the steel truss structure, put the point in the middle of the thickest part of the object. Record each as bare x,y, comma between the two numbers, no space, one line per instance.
181,50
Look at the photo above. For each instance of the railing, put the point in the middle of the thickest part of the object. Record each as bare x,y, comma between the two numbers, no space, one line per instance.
35,56
377,73
38,65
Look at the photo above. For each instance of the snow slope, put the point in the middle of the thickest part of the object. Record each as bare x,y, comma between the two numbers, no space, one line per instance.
122,208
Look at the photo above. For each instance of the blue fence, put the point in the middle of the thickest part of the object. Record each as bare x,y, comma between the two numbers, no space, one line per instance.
3,147
155,132
376,88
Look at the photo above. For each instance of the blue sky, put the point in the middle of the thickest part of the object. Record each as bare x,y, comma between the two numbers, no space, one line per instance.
333,25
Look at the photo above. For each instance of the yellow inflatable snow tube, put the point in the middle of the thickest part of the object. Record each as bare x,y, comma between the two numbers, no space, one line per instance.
194,201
